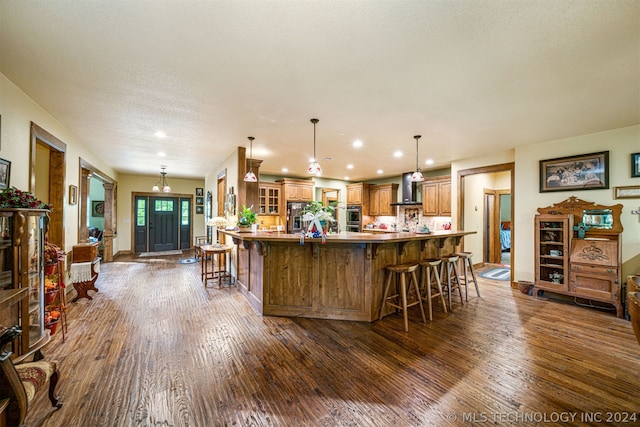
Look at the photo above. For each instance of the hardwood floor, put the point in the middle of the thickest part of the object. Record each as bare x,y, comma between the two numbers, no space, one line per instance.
155,348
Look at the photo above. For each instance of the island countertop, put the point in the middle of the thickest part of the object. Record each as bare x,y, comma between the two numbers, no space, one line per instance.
339,278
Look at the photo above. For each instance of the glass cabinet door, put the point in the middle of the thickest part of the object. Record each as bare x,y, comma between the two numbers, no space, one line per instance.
34,248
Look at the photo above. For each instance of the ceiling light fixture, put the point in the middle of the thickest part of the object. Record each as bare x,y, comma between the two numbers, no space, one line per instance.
163,183
250,176
417,175
314,167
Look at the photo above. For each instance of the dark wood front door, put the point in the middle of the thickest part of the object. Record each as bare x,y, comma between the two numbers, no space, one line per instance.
164,220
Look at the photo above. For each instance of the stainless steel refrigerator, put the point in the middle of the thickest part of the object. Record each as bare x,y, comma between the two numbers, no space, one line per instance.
294,216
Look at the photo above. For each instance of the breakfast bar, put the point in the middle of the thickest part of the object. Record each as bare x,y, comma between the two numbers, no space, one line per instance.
341,278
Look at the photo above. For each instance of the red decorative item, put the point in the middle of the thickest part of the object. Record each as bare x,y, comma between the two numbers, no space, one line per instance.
50,297
52,327
50,268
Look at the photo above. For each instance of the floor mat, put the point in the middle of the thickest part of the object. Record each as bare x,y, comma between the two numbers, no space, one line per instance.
188,261
496,274
162,253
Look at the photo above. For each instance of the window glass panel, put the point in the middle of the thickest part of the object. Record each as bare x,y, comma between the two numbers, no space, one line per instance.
141,210
164,206
184,212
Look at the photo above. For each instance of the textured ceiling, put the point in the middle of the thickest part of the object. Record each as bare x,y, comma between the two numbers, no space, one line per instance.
469,76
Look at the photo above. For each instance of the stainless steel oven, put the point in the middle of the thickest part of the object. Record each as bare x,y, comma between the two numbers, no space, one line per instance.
354,218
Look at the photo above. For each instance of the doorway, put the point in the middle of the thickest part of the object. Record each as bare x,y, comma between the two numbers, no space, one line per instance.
162,223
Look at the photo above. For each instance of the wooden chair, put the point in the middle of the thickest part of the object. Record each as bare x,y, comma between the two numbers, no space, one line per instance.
21,381
633,301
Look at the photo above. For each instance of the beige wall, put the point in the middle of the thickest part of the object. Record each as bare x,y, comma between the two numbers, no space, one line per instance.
18,111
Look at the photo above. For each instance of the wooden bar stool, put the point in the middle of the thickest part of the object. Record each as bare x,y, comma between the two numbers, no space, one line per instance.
428,268
400,299
449,271
467,263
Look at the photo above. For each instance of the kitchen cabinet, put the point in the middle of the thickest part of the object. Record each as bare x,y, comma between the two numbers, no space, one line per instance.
22,267
591,265
358,195
296,190
436,197
269,195
380,198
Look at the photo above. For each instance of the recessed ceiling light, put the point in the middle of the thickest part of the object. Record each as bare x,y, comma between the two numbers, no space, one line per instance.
328,158
346,178
429,161
357,143
162,154
380,171
285,170
349,166
160,134
397,154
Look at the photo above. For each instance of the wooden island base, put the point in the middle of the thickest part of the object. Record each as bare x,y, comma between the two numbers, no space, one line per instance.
340,279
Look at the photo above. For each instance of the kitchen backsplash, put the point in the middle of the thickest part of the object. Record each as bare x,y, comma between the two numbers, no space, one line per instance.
411,218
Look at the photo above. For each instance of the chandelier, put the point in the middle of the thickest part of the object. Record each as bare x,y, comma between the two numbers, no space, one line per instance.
250,176
417,175
163,183
314,167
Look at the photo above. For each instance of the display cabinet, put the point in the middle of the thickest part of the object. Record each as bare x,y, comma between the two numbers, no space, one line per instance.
21,267
269,195
589,255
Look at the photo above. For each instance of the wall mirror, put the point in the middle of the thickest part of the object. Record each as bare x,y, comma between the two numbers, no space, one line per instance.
598,218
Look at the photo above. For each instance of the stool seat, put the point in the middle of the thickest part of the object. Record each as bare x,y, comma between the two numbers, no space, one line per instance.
449,271
429,267
467,263
400,299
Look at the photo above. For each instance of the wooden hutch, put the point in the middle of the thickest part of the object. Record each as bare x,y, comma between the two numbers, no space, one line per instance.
578,251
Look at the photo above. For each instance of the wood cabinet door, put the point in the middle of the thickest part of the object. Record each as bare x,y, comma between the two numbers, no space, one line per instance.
444,198
306,193
374,202
430,199
384,207
354,195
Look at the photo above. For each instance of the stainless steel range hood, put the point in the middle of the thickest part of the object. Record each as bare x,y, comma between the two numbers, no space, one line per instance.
411,192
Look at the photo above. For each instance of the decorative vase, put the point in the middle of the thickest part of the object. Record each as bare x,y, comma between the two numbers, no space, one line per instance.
52,327
49,268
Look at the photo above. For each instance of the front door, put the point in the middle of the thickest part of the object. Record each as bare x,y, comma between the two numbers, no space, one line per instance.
164,220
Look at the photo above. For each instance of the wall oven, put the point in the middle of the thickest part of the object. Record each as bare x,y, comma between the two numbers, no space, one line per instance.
354,218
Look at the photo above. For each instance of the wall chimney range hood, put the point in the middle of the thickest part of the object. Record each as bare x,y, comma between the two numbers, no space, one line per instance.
411,192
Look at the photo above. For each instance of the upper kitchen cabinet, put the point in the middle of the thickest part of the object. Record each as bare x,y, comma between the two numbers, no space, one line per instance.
358,195
436,197
296,190
380,198
269,195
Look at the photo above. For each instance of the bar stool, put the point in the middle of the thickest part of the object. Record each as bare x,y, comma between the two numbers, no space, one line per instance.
428,268
466,262
449,271
400,299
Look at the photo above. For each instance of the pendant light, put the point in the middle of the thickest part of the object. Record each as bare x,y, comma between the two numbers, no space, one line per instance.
250,176
417,175
163,183
314,167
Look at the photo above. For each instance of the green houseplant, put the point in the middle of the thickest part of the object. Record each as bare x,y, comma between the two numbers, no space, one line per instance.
246,217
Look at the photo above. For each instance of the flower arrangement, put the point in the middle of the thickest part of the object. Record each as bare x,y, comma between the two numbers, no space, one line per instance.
14,198
247,216
51,253
51,316
315,213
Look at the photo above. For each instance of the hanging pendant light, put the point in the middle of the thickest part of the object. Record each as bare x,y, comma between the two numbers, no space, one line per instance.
417,175
162,184
314,167
250,176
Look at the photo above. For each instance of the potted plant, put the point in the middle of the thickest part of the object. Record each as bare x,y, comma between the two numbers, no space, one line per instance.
246,218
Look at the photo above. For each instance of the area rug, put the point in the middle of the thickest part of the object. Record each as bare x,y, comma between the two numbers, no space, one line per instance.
496,274
161,253
188,261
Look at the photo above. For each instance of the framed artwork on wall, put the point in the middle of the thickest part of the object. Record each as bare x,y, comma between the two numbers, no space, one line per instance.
97,208
5,173
583,172
635,165
627,192
73,195
199,201
199,210
199,191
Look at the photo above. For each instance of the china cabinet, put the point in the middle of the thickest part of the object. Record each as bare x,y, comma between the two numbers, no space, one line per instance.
21,267
578,251
269,195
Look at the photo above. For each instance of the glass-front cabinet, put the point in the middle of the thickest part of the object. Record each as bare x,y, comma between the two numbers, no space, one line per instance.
21,266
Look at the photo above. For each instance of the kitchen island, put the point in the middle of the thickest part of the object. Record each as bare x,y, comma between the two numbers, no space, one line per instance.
339,279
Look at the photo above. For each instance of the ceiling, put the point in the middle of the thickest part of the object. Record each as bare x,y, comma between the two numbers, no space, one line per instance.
470,76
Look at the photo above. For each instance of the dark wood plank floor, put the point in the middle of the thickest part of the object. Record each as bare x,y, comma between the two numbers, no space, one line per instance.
155,348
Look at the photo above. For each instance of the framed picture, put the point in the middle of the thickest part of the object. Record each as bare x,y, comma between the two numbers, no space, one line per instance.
199,200
199,210
73,195
97,208
199,191
628,192
584,172
635,165
5,173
